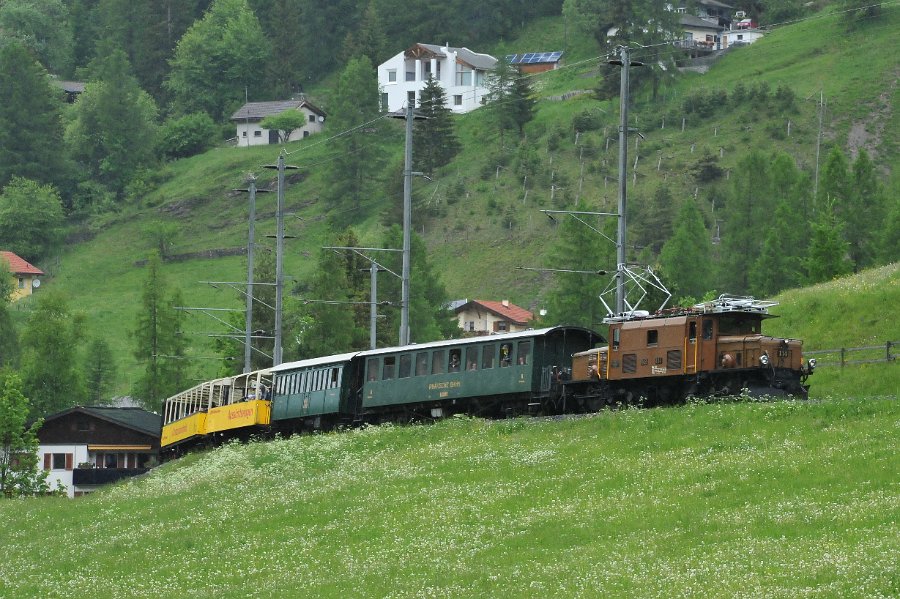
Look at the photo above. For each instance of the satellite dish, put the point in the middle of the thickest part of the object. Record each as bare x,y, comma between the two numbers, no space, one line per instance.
321,119
36,283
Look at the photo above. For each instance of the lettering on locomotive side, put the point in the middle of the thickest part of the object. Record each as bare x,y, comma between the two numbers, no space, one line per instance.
657,369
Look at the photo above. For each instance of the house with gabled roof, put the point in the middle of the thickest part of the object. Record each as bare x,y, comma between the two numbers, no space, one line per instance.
535,62
483,317
25,275
248,117
460,71
85,447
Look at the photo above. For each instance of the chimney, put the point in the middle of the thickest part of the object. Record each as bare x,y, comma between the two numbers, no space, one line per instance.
505,303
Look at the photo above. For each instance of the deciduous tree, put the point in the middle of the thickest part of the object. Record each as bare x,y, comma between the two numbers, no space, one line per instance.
217,59
31,218
19,471
285,123
41,26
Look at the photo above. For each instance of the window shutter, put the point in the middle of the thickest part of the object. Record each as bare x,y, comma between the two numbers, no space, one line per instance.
70,461
47,458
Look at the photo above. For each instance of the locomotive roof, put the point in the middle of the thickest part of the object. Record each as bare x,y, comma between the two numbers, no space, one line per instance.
724,304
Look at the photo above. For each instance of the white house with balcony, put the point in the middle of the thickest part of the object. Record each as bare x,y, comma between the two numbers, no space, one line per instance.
461,72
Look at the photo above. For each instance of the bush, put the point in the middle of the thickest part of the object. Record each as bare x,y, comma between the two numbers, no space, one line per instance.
188,135
587,120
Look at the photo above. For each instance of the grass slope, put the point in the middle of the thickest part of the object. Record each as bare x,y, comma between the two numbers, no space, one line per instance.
742,499
477,238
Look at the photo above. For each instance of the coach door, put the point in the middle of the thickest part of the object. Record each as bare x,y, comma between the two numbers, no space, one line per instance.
691,347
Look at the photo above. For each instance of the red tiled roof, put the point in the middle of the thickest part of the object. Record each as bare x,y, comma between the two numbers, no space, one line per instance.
510,312
20,266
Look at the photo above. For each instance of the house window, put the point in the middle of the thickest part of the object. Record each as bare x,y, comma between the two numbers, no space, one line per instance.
470,325
740,36
59,461
410,75
83,425
479,78
384,101
457,100
305,134
392,75
243,134
312,118
21,283
464,78
502,325
257,134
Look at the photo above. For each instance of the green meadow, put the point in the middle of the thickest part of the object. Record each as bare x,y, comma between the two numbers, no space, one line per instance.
732,499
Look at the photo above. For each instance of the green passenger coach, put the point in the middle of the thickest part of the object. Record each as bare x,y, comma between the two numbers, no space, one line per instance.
488,375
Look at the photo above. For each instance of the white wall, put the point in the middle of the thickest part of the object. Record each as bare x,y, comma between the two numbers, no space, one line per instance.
258,136
55,475
469,96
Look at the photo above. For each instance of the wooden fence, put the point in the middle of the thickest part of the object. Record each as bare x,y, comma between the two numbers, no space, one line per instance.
846,356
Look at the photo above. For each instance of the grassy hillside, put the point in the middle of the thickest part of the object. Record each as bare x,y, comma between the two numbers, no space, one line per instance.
750,499
480,216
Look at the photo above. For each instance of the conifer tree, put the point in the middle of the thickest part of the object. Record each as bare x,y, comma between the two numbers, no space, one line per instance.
827,256
435,139
100,370
574,298
159,344
51,371
30,124
864,215
9,337
684,253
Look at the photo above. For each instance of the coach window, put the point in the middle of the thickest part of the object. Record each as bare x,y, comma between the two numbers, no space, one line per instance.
471,358
455,360
692,331
524,350
505,354
437,361
389,362
372,369
405,366
652,337
335,377
421,363
707,329
487,356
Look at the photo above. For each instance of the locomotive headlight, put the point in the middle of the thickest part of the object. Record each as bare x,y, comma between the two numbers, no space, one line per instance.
812,364
764,359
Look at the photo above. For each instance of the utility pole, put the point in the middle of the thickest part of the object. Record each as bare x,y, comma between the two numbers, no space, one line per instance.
818,146
251,247
373,307
625,62
277,354
407,225
248,320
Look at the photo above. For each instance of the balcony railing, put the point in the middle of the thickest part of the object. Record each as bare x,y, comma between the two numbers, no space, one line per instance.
103,476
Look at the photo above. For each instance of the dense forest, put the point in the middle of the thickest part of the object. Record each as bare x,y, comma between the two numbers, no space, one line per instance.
161,79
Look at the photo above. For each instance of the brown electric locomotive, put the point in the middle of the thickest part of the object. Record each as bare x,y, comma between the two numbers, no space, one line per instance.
714,348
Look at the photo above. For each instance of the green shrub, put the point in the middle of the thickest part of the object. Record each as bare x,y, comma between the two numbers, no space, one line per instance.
188,135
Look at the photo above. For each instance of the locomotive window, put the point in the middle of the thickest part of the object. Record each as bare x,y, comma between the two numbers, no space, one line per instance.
472,358
524,350
372,369
421,363
652,337
629,363
405,366
707,329
455,355
487,356
692,331
616,334
437,361
389,368
673,359
505,354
